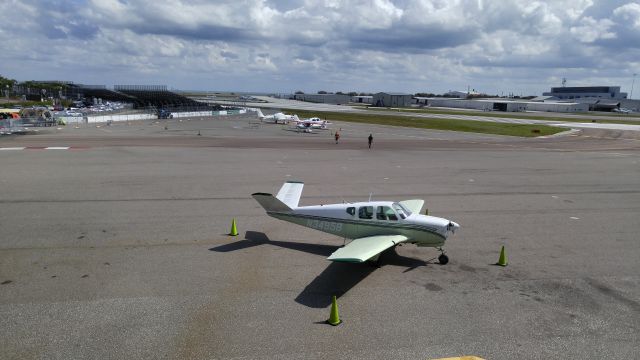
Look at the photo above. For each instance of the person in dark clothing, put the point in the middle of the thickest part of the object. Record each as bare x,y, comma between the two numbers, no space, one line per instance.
370,140
337,136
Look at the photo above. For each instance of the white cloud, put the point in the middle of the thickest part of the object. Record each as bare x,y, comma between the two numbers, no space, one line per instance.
629,13
371,14
405,45
574,9
591,30
262,63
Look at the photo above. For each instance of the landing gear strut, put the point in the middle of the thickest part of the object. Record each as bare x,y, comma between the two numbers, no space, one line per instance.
443,259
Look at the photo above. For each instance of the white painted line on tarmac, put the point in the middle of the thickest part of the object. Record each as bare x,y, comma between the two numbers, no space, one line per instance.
574,218
43,148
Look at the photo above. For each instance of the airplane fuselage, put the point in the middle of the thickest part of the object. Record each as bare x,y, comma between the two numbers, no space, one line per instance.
358,220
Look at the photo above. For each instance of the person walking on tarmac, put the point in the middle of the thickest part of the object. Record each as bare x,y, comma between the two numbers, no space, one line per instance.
337,136
370,140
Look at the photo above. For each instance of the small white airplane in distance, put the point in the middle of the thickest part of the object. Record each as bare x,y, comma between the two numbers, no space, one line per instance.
374,226
277,118
312,123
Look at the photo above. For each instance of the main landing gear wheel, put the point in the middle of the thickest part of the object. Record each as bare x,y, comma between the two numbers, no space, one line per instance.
443,259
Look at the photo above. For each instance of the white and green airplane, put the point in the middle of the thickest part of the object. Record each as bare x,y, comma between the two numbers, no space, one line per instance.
374,226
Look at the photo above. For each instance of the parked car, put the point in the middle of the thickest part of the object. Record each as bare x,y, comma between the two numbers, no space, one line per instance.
164,114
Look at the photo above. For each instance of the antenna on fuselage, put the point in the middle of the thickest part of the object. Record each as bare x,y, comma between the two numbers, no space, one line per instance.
370,194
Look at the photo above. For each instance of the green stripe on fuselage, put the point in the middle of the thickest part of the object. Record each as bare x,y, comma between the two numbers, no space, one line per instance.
354,229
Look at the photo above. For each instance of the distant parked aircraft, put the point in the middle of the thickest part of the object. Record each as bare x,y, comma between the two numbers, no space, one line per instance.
277,118
313,123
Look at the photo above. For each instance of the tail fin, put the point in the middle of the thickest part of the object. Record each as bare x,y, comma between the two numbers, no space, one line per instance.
270,203
290,193
260,114
287,199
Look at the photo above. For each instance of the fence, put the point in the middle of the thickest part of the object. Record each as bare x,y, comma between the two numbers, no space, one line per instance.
11,125
148,114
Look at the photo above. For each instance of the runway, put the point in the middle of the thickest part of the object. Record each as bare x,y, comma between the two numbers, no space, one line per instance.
118,249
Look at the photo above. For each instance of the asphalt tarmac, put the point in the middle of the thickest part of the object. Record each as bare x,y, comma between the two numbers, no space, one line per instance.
113,244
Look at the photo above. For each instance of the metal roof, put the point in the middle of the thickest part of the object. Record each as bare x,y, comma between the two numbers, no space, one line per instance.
394,93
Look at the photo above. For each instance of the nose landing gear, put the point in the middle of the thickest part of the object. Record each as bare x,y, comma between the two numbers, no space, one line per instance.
442,259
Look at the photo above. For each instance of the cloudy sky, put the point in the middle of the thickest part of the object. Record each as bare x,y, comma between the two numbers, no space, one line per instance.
494,46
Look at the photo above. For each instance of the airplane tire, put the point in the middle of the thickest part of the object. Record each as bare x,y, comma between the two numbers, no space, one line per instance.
443,259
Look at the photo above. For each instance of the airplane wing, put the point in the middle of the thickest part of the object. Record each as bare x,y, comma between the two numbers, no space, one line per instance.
363,249
414,205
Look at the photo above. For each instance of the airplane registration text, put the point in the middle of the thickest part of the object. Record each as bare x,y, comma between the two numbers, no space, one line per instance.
324,225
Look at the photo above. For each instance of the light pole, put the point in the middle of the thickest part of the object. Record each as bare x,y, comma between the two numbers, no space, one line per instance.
632,83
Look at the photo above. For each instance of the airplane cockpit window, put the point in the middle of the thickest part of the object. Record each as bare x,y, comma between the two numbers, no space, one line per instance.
365,212
401,210
386,213
351,211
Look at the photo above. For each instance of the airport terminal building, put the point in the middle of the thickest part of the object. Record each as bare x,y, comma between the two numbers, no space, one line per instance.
599,98
577,92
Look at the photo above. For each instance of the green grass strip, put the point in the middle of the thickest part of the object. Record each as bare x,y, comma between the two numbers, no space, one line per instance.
630,119
483,127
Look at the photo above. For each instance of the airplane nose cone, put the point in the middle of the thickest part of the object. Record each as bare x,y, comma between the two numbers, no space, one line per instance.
453,226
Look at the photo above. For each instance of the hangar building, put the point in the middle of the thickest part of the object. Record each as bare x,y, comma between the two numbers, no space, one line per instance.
362,99
324,98
508,105
385,99
632,104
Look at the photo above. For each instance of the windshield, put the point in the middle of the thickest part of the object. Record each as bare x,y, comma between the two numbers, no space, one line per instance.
401,210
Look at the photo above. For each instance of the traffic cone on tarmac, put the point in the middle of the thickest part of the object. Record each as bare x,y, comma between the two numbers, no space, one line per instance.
502,261
234,230
334,317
